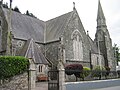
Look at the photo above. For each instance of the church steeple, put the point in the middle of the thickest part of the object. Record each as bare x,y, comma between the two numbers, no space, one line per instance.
100,16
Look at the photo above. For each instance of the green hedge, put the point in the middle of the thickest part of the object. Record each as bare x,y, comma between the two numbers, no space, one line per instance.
12,65
99,71
85,73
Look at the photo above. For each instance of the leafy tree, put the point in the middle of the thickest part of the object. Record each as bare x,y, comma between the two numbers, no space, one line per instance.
30,14
116,53
27,12
5,5
75,69
16,9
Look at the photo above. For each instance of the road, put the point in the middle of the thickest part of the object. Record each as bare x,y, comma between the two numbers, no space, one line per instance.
109,88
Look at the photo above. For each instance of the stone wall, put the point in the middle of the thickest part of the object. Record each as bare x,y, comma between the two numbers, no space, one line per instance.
19,82
52,51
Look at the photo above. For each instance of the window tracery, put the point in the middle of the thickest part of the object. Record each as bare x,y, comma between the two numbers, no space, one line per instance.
77,45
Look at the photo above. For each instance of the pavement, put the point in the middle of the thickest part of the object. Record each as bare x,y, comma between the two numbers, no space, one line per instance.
41,86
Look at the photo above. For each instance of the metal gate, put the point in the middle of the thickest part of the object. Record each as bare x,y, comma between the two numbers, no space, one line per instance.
53,80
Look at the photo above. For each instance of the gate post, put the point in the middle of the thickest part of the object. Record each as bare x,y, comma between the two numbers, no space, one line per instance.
31,75
61,76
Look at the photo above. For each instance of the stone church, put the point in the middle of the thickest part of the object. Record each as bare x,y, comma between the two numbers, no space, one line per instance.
61,38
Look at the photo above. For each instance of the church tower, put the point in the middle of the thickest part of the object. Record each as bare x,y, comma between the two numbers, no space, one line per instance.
103,40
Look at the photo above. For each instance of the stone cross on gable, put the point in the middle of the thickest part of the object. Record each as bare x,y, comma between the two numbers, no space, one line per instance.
73,5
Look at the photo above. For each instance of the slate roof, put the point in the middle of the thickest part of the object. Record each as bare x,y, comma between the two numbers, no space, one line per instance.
32,50
93,46
55,27
25,27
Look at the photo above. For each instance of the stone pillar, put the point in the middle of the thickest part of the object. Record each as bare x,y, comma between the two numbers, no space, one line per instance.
32,75
61,65
61,76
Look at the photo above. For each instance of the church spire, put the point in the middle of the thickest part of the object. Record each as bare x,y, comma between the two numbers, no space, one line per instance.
100,14
101,21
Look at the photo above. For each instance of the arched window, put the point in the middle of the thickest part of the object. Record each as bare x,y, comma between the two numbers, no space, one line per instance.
77,45
40,68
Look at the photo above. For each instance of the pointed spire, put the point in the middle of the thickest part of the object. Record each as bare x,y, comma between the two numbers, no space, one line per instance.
100,14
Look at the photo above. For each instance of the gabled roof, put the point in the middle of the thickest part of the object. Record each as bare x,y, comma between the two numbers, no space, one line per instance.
32,50
100,14
55,27
25,27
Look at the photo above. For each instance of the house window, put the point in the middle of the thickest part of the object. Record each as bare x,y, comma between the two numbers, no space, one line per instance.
40,68
77,45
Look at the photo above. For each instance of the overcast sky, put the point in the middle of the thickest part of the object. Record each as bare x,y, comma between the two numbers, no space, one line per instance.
87,10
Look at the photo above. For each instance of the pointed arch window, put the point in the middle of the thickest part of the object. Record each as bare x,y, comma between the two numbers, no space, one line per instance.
77,45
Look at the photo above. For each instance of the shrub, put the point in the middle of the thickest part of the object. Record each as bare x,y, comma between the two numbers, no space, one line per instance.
98,71
75,69
107,70
118,72
12,65
85,73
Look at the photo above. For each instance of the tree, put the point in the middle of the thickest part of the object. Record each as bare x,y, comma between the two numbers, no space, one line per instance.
16,9
27,12
75,69
116,53
5,5
30,14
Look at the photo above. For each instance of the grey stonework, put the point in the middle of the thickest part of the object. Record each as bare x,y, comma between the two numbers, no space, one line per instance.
52,51
19,82
103,40
78,46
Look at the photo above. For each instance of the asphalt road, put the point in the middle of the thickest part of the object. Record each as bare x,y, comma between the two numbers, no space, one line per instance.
109,88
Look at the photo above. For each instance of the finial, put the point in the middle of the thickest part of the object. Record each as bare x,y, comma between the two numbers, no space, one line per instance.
73,5
87,32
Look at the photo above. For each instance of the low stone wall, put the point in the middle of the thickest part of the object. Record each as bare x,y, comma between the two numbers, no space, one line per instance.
19,82
88,85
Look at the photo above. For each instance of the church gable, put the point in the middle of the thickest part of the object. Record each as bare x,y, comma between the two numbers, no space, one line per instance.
56,26
75,40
